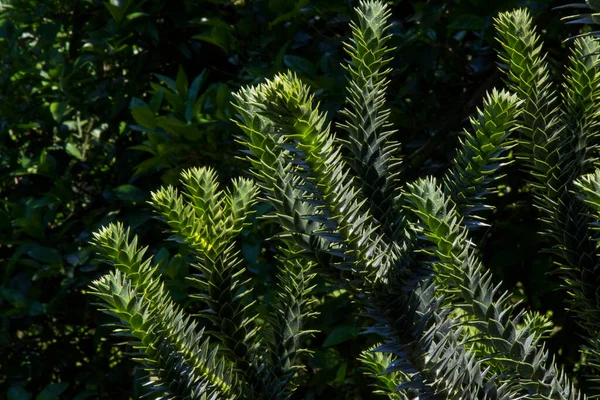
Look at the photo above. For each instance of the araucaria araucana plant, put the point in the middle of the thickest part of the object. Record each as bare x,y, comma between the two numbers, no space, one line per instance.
254,360
446,329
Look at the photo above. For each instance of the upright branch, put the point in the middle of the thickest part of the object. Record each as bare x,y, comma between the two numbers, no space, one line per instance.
174,350
527,75
561,142
280,185
467,286
481,154
374,154
347,224
235,357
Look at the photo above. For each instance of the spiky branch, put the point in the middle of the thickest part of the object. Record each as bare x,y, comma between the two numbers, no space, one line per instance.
169,341
374,153
561,144
482,153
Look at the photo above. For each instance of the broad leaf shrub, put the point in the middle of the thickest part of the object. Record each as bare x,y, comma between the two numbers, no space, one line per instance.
403,249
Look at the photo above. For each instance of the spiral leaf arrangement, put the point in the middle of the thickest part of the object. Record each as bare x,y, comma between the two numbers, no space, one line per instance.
403,249
234,356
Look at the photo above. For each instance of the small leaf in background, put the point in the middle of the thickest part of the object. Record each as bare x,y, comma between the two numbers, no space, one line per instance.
196,84
154,163
172,125
468,22
161,256
192,133
177,268
156,100
177,103
137,103
144,117
78,258
142,114
170,82
181,83
18,393
220,35
340,375
300,65
45,254
72,149
135,15
57,109
223,100
340,335
144,147
52,391
130,194
115,11
329,64
193,94
47,164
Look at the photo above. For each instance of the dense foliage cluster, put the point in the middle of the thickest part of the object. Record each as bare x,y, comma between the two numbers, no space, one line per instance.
367,252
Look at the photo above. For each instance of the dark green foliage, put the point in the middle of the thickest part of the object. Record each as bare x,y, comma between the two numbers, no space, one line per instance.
69,72
103,102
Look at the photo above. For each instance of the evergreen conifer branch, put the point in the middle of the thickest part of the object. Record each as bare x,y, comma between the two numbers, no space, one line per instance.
281,186
584,287
448,331
253,361
374,155
430,347
289,313
527,75
481,154
297,134
167,338
580,112
580,140
217,217
573,137
205,217
462,278
348,225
